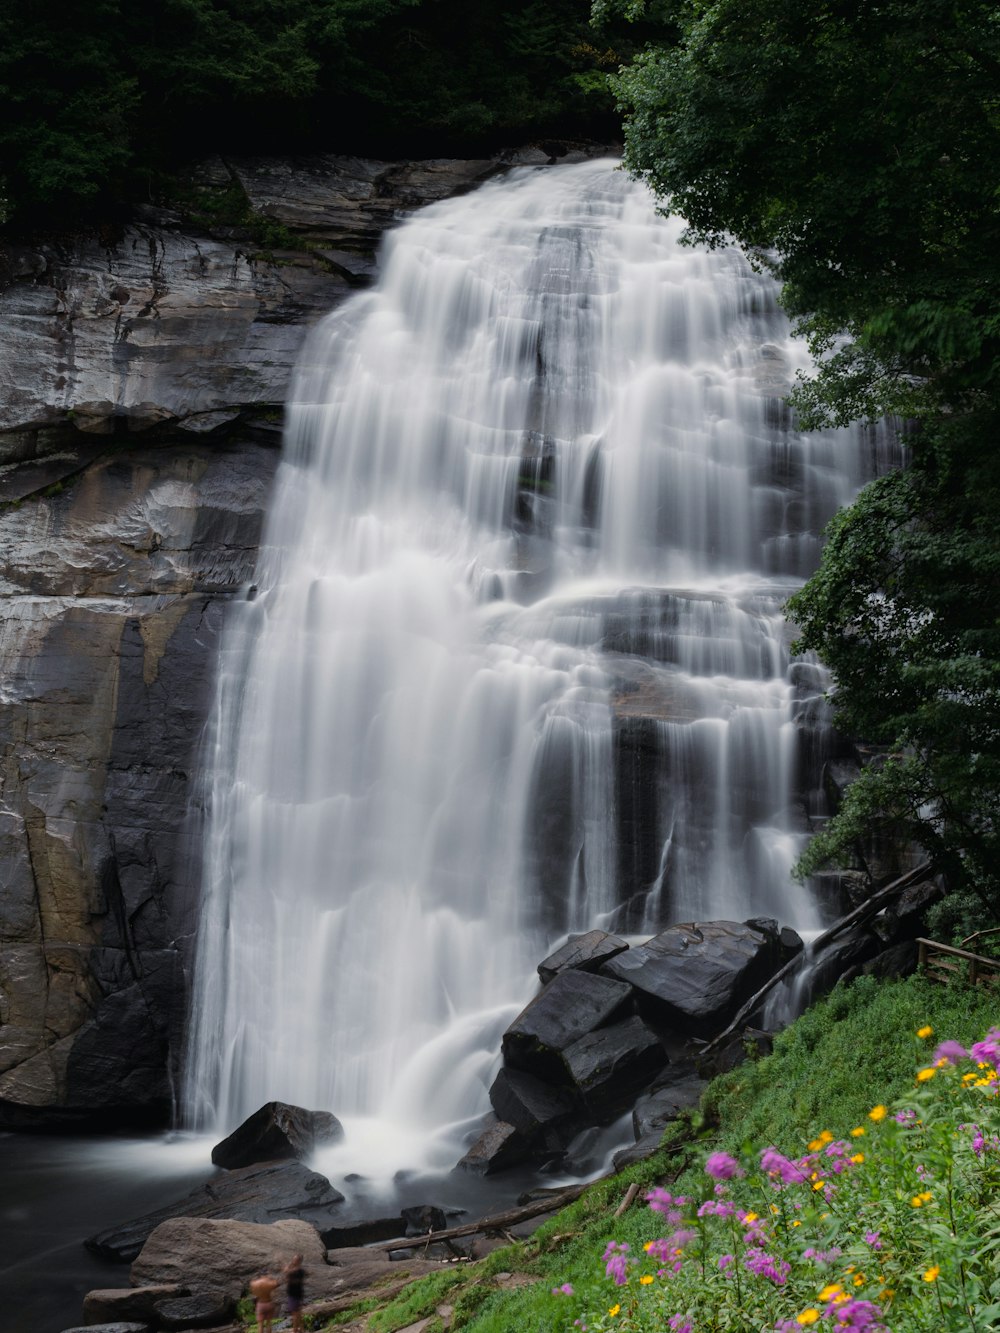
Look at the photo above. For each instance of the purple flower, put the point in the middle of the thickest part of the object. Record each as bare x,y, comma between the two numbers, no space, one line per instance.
565,1290
724,1261
767,1265
988,1050
873,1239
662,1201
617,1261
717,1208
952,1051
905,1117
823,1256
723,1167
857,1314
777,1164
678,1324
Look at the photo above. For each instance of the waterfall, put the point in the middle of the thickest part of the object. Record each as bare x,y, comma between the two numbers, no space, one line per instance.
514,664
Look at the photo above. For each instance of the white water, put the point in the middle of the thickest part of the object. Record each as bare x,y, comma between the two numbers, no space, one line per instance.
520,588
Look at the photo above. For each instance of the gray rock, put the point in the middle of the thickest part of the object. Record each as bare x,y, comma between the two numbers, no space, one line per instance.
608,1067
695,976
210,1255
570,1006
586,953
115,1304
206,1310
275,1132
680,1089
111,1328
538,1110
498,1146
267,1193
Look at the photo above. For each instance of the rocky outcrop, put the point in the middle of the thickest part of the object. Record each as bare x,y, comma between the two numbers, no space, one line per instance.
142,371
275,1132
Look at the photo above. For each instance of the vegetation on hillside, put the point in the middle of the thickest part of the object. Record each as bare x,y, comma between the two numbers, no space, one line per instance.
98,101
853,146
866,1047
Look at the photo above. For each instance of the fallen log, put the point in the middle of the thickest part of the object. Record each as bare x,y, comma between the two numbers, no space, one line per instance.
498,1222
869,908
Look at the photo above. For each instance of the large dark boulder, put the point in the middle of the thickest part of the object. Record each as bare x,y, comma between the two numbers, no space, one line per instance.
609,1066
676,1091
569,1007
585,953
206,1310
275,1132
110,1305
694,977
261,1193
541,1112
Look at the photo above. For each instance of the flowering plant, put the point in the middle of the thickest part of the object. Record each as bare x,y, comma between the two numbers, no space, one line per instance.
893,1225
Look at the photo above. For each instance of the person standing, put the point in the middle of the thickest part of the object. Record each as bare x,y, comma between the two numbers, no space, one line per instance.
295,1282
262,1289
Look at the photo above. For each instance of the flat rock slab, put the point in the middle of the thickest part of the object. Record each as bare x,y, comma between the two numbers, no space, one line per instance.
109,1328
275,1132
695,977
499,1146
569,1007
111,1304
264,1193
584,953
188,1312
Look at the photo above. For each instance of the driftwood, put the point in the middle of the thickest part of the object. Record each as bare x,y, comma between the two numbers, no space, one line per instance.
498,1222
628,1200
867,909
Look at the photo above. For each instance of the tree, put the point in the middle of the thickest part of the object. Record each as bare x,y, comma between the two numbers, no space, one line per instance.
846,144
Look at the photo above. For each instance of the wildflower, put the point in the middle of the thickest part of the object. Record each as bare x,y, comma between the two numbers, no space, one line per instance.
645,1280
776,1164
858,1158
750,1217
926,1031
873,1239
718,1208
762,1264
857,1131
858,1315
677,1326
565,1290
877,1113
828,1292
904,1117
819,1184
614,1309
924,1075
725,1260
662,1201
616,1262
807,1316
931,1275
721,1166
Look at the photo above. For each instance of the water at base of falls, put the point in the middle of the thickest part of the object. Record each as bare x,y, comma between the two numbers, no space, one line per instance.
515,664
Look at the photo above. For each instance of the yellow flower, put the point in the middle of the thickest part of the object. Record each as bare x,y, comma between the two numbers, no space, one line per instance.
856,1133
968,1078
614,1310
917,1201
828,1293
648,1245
819,1184
859,1281
815,1145
932,1274
749,1217
877,1113
645,1280
925,1031
826,1136
858,1158
796,1223
926,1074
926,1195
775,1209
807,1316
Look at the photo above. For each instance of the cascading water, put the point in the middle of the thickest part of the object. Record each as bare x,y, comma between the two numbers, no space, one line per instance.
515,663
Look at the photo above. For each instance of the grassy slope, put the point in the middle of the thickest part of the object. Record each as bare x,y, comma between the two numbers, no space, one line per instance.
853,1049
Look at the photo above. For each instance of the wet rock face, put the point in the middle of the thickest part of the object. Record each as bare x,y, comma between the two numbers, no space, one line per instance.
141,377
113,599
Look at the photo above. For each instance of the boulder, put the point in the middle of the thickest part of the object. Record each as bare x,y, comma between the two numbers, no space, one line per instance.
903,918
206,1310
498,1146
367,1232
680,1089
210,1255
275,1132
586,953
694,977
539,1111
111,1328
608,1067
117,1304
569,1007
262,1193
421,1219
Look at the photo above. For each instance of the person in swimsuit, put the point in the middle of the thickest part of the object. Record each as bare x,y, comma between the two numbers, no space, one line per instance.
262,1289
295,1278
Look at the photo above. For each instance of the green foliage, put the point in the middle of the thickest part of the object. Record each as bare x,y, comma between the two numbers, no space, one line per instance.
96,98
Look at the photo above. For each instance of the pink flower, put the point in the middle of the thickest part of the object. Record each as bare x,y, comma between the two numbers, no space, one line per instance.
723,1167
952,1051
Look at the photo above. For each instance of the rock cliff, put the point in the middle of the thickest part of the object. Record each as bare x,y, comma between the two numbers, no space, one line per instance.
142,371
